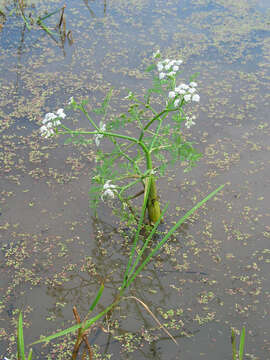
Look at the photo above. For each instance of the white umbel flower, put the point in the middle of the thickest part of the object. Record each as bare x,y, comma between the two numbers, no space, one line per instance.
49,117
109,190
50,122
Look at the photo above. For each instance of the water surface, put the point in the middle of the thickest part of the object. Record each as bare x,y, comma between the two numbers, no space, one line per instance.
214,274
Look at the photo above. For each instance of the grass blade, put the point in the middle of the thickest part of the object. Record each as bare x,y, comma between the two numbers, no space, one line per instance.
233,341
58,334
20,340
173,229
46,16
73,328
100,291
25,21
30,354
44,27
242,343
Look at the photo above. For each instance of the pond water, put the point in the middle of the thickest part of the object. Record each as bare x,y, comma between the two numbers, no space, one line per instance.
214,274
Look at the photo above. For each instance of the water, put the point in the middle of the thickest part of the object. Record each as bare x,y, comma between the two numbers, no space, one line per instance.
214,274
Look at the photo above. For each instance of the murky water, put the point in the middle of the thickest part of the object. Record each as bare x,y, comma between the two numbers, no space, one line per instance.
214,274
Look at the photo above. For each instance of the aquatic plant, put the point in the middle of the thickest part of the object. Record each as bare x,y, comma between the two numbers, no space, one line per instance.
137,262
238,355
156,141
151,141
30,20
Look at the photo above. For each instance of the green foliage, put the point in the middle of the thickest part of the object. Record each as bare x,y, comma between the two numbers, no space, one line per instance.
156,141
20,341
240,354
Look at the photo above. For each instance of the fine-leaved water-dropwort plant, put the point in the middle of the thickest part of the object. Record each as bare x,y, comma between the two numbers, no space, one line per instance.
157,140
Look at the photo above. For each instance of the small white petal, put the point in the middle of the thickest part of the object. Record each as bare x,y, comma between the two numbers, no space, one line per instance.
196,97
162,75
43,128
167,67
110,193
172,94
107,184
71,100
166,61
159,66
57,123
182,92
176,102
172,73
187,97
192,90
175,68
60,113
193,84
184,86
48,117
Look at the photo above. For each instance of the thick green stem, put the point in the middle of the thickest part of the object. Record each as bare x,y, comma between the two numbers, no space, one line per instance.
153,206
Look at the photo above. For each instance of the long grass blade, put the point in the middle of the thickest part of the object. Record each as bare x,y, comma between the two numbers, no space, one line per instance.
20,340
58,334
25,21
46,16
44,27
173,229
73,328
242,343
93,305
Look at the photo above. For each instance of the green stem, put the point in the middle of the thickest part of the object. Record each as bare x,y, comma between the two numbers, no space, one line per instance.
88,117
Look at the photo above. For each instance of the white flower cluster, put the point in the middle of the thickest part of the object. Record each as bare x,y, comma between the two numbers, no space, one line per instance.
186,92
168,67
102,127
189,121
109,190
50,122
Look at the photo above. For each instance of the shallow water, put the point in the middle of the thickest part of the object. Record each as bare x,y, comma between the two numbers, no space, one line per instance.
214,274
